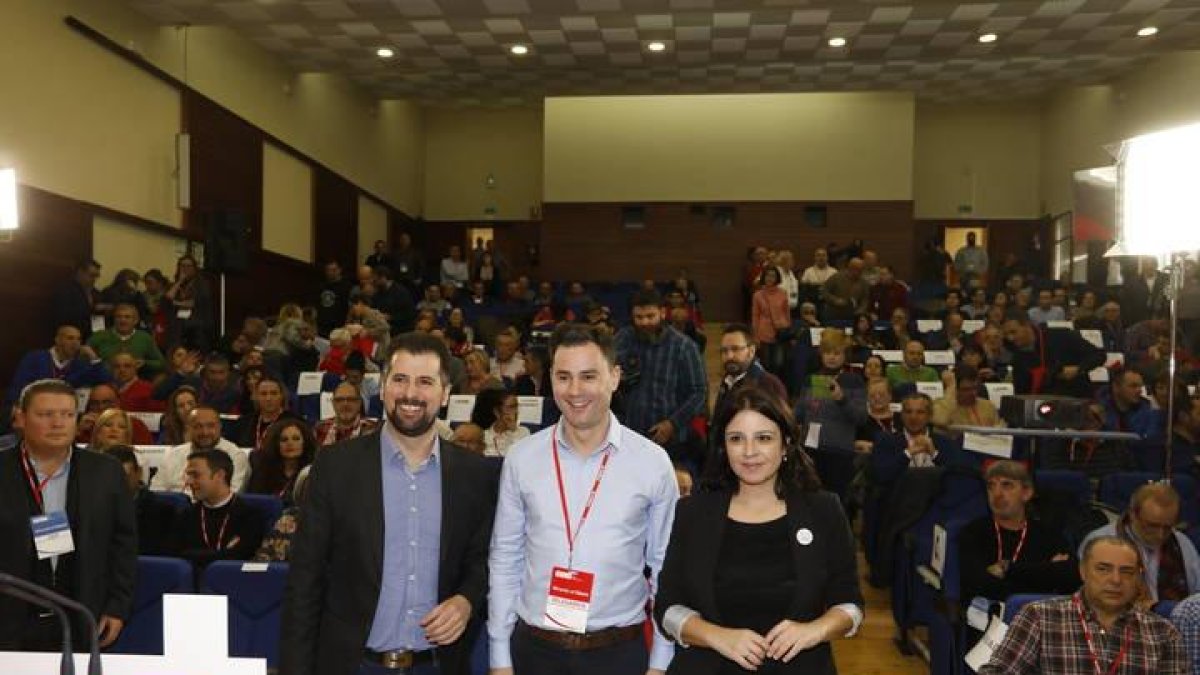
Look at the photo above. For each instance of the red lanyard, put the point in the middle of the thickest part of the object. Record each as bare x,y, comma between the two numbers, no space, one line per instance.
204,528
562,496
1000,543
1087,636
260,431
37,487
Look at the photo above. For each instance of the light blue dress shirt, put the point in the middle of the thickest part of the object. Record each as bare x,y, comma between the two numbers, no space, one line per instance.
627,530
54,494
412,532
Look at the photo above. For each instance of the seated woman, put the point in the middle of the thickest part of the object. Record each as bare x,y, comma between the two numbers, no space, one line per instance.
764,549
173,427
287,449
496,412
864,339
479,374
113,427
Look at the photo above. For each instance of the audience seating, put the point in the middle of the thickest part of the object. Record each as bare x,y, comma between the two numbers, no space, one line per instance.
178,500
270,506
143,633
255,604
1016,602
1116,489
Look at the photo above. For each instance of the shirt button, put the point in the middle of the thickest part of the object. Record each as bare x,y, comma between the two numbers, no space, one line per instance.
412,577
413,509
412,487
412,543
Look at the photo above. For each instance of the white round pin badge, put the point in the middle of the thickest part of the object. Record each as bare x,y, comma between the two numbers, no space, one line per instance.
804,536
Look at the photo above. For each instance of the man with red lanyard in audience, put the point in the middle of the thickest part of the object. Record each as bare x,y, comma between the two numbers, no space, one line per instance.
1097,631
584,508
1050,360
218,526
270,399
347,421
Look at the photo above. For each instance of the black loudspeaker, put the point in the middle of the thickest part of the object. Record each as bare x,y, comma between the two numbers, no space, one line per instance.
225,238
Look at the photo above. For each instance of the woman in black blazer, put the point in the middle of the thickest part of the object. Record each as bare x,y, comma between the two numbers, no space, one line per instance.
760,572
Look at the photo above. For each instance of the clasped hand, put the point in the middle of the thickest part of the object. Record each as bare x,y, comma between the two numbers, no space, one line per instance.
787,639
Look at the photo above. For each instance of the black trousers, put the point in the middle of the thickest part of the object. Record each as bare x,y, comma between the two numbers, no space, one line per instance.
532,656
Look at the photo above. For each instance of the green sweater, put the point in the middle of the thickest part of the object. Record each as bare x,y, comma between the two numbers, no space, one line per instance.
139,344
898,374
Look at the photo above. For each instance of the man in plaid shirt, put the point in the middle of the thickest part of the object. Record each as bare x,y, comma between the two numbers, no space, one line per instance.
663,384
1098,630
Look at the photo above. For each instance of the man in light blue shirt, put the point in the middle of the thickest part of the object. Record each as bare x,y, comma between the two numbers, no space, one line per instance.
571,598
1046,311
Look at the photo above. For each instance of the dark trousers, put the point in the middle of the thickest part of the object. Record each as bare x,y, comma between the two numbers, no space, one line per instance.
532,656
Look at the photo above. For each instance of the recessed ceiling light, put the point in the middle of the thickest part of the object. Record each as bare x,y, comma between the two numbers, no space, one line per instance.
987,37
1147,31
837,42
384,53
519,50
656,46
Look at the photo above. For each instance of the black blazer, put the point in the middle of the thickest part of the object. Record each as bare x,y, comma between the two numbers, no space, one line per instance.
826,571
337,556
104,529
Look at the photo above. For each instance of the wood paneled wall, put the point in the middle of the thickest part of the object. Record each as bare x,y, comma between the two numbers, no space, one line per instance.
588,242
513,239
1004,236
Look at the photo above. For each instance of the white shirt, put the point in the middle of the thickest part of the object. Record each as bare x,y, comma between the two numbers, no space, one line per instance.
497,444
815,276
171,471
511,369
792,286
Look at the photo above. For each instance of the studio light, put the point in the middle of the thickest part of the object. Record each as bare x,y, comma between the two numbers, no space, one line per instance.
1156,188
9,215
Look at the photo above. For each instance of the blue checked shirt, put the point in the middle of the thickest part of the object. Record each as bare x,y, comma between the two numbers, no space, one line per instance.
1186,617
412,526
671,385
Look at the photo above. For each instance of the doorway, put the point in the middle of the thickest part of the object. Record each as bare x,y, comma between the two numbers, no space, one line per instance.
955,237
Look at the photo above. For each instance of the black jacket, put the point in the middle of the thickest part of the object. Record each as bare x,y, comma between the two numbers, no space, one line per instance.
337,556
826,571
100,573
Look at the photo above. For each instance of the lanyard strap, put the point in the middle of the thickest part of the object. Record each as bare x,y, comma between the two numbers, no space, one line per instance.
1000,543
37,487
204,528
1087,636
562,496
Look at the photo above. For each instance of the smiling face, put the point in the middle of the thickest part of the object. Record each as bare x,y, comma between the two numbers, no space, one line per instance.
413,392
754,445
584,383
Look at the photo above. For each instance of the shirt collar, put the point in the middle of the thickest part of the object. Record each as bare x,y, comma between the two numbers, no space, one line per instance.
1090,615
612,441
391,449
222,504
62,470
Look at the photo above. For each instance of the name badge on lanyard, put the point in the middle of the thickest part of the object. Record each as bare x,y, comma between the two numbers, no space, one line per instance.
51,535
569,598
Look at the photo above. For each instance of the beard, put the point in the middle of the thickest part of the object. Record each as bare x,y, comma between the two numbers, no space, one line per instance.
733,368
650,335
418,428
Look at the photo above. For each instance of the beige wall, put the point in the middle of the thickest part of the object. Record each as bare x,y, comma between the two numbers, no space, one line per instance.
72,105
729,147
463,147
372,226
982,156
1079,122
117,245
287,226
77,121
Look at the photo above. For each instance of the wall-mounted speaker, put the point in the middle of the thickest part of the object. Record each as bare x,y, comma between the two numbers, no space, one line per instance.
226,235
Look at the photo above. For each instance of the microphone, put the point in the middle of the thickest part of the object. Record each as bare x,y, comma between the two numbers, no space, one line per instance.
94,666
67,664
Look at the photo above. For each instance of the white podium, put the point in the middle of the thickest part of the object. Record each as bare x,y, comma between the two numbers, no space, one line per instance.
195,642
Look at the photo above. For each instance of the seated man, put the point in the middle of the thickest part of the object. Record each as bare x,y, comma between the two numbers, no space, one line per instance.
102,398
1046,311
347,421
951,337
66,360
218,526
1099,629
508,362
914,445
1007,553
214,382
1124,409
1171,568
124,335
913,369
1050,360
203,433
135,394
962,404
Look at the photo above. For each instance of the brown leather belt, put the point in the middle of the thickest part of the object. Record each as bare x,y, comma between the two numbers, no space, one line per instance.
582,642
398,660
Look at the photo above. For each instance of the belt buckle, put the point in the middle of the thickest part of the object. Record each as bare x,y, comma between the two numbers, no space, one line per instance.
397,660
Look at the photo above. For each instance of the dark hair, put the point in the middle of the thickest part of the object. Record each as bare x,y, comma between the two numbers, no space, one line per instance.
217,359
965,373
769,269
356,361
858,318
731,328
917,396
974,349
46,386
123,453
268,477
417,343
577,334
155,274
216,460
796,475
646,298
382,271
486,402
172,424
84,264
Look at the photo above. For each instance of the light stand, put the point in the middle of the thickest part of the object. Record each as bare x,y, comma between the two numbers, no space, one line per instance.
1174,286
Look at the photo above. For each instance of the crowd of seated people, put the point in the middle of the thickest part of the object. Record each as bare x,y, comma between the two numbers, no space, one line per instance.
843,342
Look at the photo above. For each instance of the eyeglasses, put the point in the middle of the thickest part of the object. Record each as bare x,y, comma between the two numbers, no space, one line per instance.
344,399
734,349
